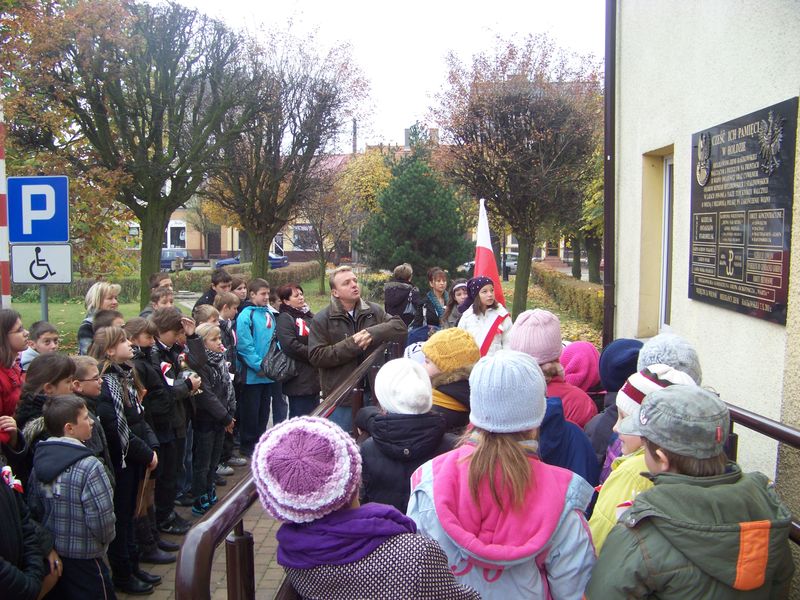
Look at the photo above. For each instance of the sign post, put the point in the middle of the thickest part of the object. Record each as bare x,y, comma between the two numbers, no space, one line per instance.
38,229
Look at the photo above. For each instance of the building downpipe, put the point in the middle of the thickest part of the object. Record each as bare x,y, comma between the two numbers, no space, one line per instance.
609,175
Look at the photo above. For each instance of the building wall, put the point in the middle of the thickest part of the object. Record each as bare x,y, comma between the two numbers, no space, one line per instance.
683,67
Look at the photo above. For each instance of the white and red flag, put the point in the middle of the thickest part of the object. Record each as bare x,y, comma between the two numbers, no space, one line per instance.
485,265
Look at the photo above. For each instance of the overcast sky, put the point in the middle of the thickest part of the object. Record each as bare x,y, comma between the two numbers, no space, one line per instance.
401,46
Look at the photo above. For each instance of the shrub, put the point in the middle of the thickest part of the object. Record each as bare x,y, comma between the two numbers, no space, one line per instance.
199,281
75,291
372,286
583,299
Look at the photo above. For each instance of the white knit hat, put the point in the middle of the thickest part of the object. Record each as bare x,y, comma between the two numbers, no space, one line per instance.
507,393
673,350
403,387
650,379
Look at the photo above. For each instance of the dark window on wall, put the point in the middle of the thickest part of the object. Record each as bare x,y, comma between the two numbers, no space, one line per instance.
303,237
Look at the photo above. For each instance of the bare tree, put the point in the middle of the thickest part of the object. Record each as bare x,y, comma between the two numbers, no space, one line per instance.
266,172
521,123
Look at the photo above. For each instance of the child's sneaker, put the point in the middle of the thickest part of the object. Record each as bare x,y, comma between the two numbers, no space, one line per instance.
201,506
212,497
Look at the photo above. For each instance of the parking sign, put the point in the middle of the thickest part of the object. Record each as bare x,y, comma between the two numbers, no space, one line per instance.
38,209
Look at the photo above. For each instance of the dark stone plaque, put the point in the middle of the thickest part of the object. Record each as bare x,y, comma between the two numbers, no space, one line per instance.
742,184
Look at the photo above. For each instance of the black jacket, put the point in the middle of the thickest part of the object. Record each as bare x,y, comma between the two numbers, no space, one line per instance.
600,427
160,400
167,362
396,295
295,346
213,407
140,452
22,566
398,446
207,298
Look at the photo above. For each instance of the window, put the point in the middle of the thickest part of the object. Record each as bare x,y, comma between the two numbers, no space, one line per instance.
303,237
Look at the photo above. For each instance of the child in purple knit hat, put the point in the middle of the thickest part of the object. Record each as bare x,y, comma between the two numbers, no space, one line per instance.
308,472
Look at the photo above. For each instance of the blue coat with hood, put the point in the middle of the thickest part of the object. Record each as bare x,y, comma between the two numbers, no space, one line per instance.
564,444
255,326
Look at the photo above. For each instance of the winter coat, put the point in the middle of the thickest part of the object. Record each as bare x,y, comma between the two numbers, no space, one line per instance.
70,494
617,493
397,446
98,443
168,362
480,325
396,296
293,329
578,407
563,444
600,428
228,336
11,380
451,397
22,566
452,319
160,398
330,345
542,550
714,538
117,380
207,298
350,554
255,327
215,405
86,333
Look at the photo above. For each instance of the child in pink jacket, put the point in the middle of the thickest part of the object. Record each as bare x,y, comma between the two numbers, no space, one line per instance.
522,535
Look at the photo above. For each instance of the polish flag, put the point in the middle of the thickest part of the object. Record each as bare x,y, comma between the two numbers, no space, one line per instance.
484,255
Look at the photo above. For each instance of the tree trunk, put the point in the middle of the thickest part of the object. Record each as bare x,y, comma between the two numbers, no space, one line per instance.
575,242
593,253
260,253
523,275
323,277
153,223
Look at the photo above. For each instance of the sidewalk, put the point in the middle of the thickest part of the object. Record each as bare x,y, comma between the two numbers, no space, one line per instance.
268,574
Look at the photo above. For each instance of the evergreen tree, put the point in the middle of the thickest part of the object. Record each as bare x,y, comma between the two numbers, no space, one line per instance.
417,222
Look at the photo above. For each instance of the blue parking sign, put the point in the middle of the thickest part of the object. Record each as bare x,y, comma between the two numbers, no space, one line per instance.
38,209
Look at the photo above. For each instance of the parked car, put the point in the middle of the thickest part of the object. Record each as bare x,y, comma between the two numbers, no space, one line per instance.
176,259
275,261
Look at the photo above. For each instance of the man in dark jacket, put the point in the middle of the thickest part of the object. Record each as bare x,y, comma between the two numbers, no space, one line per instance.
344,333
404,433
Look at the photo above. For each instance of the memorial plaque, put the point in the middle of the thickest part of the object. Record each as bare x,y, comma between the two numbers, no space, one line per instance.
742,187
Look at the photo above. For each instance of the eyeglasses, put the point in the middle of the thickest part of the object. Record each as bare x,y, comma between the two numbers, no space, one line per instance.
95,378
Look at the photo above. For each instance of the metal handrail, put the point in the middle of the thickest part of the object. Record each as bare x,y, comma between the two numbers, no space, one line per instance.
224,522
776,430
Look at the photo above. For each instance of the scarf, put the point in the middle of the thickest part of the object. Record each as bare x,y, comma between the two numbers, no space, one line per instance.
122,391
342,537
220,375
437,306
302,313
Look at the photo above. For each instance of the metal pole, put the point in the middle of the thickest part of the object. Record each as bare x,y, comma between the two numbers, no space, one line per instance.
240,571
43,302
5,265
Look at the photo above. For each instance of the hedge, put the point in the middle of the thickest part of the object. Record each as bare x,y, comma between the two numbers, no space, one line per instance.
192,281
583,299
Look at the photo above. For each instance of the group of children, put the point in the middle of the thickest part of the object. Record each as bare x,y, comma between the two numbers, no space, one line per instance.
537,495
105,444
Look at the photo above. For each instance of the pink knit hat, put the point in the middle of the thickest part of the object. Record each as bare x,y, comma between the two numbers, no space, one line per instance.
537,333
306,468
650,379
581,362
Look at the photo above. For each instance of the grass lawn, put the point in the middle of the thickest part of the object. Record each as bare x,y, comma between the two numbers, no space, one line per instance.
66,317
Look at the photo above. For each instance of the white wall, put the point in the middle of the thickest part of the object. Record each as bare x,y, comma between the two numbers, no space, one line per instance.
684,66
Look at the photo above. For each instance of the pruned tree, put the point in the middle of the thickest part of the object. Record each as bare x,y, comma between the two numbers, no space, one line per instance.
521,122
155,90
264,173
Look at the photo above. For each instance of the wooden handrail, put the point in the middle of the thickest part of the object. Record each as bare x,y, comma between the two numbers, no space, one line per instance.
224,522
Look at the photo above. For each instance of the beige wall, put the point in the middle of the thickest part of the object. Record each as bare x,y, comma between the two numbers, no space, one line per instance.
683,67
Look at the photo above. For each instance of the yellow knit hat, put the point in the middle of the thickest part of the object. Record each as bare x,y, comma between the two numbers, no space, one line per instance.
451,349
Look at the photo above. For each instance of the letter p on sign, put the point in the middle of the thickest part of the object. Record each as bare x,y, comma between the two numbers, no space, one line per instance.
30,214
38,210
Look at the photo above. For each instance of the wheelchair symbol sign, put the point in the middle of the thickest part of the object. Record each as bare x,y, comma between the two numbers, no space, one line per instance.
41,263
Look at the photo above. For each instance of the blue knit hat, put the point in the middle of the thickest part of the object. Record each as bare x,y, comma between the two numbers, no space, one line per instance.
507,393
618,362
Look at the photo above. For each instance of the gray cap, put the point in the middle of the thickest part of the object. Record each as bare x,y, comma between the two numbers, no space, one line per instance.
685,419
630,424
